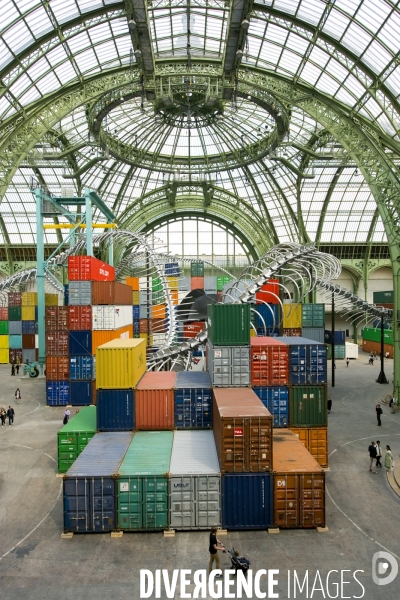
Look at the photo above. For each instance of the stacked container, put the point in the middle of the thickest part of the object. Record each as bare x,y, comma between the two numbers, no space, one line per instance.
193,400
133,283
372,340
197,275
154,401
14,322
57,355
339,338
313,322
4,341
75,436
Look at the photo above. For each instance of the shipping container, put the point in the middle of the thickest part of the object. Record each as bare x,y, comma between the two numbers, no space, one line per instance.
351,350
29,355
172,269
197,283
373,334
28,313
28,341
269,359
383,297
75,436
29,327
197,268
51,299
135,312
315,439
145,326
269,292
172,282
144,312
307,361
4,342
3,313
14,313
316,334
228,366
266,317
308,406
66,295
191,329
120,364
276,400
371,347
80,342
142,483
29,299
228,324
80,393
57,393
313,315
145,297
195,484
133,283
291,332
80,293
4,329
193,400
15,328
56,318
243,431
111,292
79,318
57,343
80,367
299,484
247,500
88,268
14,299
15,341
15,355
154,400
115,410
184,284
292,316
340,352
159,311
135,298
340,337
57,367
4,356
111,317
89,485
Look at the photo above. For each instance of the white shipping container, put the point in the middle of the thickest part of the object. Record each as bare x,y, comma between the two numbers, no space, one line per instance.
195,481
351,350
111,317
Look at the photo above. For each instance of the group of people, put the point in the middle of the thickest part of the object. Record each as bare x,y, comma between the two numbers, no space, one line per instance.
375,454
7,414
15,367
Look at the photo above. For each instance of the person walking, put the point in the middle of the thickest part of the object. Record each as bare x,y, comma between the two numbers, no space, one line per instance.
3,416
389,459
10,415
392,404
17,367
329,405
17,395
213,549
12,369
347,362
372,456
67,414
378,453
379,411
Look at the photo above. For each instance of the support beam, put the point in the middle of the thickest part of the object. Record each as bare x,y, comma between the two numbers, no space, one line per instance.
138,23
236,34
40,277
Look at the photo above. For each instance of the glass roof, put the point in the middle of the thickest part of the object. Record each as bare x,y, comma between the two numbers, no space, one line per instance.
346,50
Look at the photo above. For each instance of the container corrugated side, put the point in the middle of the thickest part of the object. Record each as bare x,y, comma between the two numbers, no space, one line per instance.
89,485
315,439
269,359
247,500
307,361
228,324
143,484
292,314
103,336
276,400
316,334
80,392
308,406
115,410
193,400
372,334
195,486
111,292
75,436
80,342
120,363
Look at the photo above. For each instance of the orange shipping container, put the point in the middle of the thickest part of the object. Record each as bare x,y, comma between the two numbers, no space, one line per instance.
369,346
190,330
57,368
197,283
102,336
154,400
145,326
299,484
269,292
269,361
133,283
174,296
315,439
158,311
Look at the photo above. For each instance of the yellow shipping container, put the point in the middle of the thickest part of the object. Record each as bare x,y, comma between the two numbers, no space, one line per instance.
158,311
172,283
120,364
145,337
253,333
292,316
4,343
51,299
133,282
102,336
135,298
29,299
4,356
28,313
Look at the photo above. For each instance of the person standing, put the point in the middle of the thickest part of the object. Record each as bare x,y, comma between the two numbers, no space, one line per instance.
17,367
372,456
17,396
12,369
67,414
378,453
379,411
389,459
10,415
213,549
329,405
347,362
3,415
392,404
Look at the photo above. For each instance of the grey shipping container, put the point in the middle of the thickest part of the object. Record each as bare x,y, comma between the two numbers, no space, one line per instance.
144,311
228,366
210,284
80,292
184,283
15,327
316,334
28,355
145,297
195,490
89,485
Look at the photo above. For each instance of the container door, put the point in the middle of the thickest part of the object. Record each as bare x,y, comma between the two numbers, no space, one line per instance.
208,494
202,408
233,451
258,445
77,502
102,504
286,501
312,500
155,503
182,511
183,409
129,503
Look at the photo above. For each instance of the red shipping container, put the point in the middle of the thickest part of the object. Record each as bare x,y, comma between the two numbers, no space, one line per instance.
15,355
146,325
269,292
28,341
79,318
197,283
56,318
3,313
57,343
154,400
219,296
14,299
88,268
269,361
292,332
111,292
57,367
190,330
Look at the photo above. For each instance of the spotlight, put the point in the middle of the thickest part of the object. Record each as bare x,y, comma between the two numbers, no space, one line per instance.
132,25
245,24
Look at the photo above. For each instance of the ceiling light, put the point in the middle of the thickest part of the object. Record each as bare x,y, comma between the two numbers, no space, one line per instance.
138,53
239,53
245,24
356,172
132,25
248,97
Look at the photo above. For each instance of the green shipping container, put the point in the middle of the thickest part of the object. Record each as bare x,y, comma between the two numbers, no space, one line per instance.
374,335
384,297
3,327
308,406
229,324
14,313
142,484
197,268
340,352
313,315
221,281
156,284
75,436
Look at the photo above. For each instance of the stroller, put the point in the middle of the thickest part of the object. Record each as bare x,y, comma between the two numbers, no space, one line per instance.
239,563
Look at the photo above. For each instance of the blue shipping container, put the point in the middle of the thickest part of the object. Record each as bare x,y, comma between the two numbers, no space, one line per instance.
136,327
89,485
57,393
247,500
340,337
276,400
15,341
136,312
307,361
172,270
29,327
193,400
80,367
115,410
66,294
267,315
80,393
80,342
